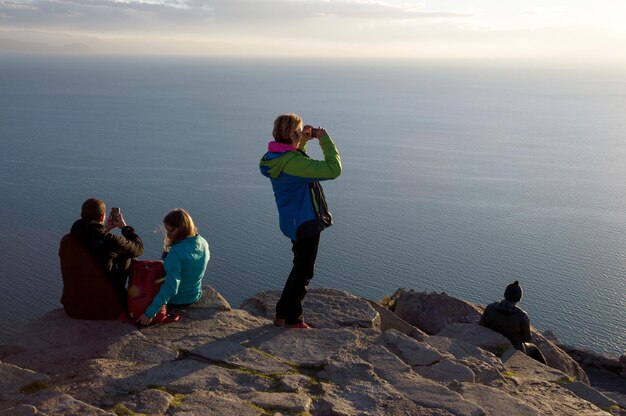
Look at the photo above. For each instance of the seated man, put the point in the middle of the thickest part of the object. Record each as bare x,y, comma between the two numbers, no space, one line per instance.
511,321
95,263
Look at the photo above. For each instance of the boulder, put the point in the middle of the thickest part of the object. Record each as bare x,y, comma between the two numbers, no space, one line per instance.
51,402
290,403
590,394
56,343
445,371
498,344
557,358
431,312
148,402
477,335
210,302
487,367
20,410
524,369
542,387
494,401
15,380
234,354
220,361
306,348
323,308
411,351
389,320
418,389
210,403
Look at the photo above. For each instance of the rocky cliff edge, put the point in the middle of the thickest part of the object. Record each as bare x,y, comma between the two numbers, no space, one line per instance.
360,359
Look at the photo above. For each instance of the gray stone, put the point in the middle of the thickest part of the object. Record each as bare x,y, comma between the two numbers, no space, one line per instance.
484,364
21,410
557,358
56,343
552,399
14,380
445,371
306,347
461,350
498,344
282,402
293,383
137,348
208,403
237,355
524,368
335,406
495,401
421,391
389,320
323,308
431,312
368,397
346,370
590,394
411,351
229,362
210,302
477,335
59,404
189,375
190,334
149,402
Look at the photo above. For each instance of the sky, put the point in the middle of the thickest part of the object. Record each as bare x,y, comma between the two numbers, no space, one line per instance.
530,30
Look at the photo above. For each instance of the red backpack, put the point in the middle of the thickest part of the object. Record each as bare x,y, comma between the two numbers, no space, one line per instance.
146,277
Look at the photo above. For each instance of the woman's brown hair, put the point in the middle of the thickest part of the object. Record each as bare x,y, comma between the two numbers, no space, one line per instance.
183,225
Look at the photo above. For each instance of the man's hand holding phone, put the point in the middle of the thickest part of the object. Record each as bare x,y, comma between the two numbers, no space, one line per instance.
115,220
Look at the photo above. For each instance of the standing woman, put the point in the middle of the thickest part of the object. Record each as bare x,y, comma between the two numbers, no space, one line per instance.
302,209
185,259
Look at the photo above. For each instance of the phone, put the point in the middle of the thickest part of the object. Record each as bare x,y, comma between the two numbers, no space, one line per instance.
115,214
315,132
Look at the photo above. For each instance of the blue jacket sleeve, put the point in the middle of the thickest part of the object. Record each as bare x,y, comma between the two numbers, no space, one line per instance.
169,288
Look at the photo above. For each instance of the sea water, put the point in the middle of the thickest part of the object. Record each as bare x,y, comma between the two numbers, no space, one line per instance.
456,177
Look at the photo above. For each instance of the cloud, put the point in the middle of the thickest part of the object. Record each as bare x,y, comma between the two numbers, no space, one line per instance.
384,28
139,15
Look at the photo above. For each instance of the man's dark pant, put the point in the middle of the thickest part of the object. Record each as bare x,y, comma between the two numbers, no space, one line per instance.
533,352
289,306
119,274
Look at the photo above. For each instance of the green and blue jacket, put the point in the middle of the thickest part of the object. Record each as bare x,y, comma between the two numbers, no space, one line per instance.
295,177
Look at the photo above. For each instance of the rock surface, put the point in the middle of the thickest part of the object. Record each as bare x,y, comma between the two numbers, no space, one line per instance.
222,361
431,312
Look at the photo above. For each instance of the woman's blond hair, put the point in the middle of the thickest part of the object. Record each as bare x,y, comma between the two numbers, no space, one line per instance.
183,225
285,127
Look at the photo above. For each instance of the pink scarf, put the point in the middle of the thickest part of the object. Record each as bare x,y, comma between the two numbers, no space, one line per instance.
276,147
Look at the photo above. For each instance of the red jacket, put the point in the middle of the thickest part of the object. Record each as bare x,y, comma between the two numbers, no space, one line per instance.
94,267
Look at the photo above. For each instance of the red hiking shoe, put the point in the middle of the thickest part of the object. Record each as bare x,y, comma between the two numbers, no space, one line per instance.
279,321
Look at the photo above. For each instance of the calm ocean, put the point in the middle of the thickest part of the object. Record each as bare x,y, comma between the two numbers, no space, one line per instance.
457,178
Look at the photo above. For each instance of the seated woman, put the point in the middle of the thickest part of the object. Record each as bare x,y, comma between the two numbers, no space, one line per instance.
185,259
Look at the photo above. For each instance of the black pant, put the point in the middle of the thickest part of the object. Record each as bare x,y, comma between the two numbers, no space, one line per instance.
289,307
533,352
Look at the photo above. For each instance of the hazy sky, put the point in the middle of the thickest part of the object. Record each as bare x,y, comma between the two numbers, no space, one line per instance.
486,29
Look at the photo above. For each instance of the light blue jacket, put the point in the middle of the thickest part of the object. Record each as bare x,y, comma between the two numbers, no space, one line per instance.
185,265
